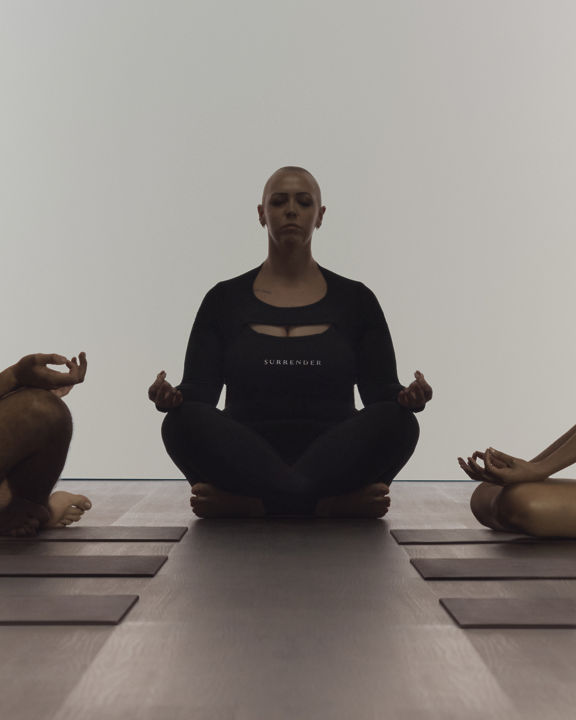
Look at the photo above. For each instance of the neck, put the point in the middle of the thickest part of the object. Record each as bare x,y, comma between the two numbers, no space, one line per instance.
290,266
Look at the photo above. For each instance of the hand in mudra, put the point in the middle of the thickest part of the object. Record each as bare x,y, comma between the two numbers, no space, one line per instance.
501,469
32,371
476,471
163,395
509,469
417,394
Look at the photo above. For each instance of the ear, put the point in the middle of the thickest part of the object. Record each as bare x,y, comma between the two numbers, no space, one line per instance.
261,215
320,216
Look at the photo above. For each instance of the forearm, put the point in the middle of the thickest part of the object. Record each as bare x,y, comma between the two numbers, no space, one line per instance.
555,445
559,455
7,381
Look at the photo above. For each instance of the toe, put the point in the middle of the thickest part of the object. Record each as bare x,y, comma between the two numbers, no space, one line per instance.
202,489
81,502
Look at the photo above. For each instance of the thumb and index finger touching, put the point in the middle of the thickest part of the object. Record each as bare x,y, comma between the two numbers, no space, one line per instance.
157,384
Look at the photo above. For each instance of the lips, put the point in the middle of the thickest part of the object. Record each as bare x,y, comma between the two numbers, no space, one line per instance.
291,227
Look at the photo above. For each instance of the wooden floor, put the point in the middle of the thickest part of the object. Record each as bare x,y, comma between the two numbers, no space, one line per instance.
284,620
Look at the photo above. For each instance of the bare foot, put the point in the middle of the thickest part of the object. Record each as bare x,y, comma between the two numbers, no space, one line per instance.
66,508
22,518
371,501
208,501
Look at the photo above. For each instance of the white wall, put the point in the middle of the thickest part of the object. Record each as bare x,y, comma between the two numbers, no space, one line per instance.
135,137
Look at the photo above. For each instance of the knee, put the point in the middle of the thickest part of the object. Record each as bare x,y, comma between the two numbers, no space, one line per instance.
518,506
183,423
407,426
44,409
482,502
411,426
170,428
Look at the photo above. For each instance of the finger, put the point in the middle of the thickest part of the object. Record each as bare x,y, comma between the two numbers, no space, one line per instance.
464,465
495,461
418,395
168,395
426,389
401,398
508,460
479,469
72,365
160,378
83,365
50,359
55,378
493,470
415,397
466,469
163,395
158,382
474,465
73,375
498,462
157,388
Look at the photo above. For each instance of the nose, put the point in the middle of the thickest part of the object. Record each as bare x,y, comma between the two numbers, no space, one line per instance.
291,208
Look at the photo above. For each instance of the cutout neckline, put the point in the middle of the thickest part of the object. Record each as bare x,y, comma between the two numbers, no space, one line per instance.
290,337
288,307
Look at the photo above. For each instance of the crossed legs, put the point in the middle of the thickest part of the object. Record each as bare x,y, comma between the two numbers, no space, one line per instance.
357,457
541,509
35,433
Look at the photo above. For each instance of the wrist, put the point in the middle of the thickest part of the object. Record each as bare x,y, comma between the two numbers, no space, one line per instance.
544,467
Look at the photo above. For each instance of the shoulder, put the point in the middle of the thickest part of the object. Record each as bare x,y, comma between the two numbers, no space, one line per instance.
354,289
232,287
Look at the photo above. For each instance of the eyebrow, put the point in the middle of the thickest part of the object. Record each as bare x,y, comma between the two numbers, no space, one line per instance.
285,194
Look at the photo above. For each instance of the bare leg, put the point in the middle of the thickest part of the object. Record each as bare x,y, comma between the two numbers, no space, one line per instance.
483,504
35,432
541,509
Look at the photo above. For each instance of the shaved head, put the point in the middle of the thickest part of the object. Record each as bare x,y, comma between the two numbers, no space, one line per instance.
293,169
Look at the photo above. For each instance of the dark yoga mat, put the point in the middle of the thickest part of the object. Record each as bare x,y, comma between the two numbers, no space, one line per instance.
107,533
64,609
511,612
495,568
456,536
69,565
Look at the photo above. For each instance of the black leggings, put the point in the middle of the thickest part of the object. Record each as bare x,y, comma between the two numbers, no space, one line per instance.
290,465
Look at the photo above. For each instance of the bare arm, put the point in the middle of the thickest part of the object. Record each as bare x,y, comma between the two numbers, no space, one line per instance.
33,371
555,445
505,468
559,455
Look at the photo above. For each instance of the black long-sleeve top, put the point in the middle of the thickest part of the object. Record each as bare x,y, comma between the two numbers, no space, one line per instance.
282,378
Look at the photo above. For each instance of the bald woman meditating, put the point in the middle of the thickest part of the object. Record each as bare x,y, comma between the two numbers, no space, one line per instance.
35,433
290,339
